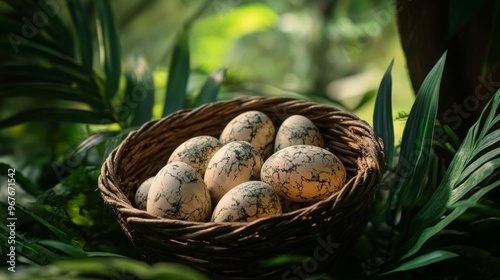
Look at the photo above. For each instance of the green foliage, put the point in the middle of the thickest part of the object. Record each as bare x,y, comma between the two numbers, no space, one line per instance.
382,115
178,76
445,198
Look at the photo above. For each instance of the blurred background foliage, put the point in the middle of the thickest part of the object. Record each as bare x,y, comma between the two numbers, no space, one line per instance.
273,48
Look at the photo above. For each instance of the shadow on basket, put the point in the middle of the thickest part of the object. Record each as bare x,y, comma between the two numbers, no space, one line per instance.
317,237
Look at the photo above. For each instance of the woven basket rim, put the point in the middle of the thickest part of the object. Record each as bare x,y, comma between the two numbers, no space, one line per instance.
298,212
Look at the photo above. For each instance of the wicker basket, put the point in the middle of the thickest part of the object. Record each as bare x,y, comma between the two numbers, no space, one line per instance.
323,233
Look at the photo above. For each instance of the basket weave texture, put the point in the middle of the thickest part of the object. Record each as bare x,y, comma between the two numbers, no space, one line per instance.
324,232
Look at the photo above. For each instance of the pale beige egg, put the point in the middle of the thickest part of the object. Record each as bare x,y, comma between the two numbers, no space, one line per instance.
233,164
253,127
178,192
304,173
247,202
297,130
196,152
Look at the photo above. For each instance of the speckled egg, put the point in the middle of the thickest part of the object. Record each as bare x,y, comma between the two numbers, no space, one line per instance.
297,130
196,152
254,127
304,173
178,192
141,194
247,202
233,164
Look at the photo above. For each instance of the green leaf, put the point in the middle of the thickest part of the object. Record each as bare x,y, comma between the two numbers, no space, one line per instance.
466,171
83,37
108,267
58,115
424,260
49,72
416,146
139,92
109,44
52,91
382,115
461,12
93,141
367,97
54,32
72,251
283,259
178,75
47,54
210,89
66,238
433,230
25,183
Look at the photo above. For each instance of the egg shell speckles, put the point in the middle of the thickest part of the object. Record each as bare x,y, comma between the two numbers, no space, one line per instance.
235,163
247,202
297,130
304,173
253,127
178,192
141,194
196,152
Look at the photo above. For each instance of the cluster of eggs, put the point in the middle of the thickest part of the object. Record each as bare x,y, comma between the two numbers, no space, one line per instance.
252,171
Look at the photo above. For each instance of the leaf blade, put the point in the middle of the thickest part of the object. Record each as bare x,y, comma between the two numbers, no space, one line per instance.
139,92
58,115
210,89
81,23
178,75
110,46
382,115
424,260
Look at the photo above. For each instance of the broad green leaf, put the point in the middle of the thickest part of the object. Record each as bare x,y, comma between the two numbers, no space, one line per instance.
39,52
483,172
109,44
382,115
138,100
53,31
424,260
433,230
210,89
465,172
416,146
460,13
106,266
29,249
52,91
58,115
93,141
72,251
21,180
493,55
83,37
48,72
367,97
178,75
